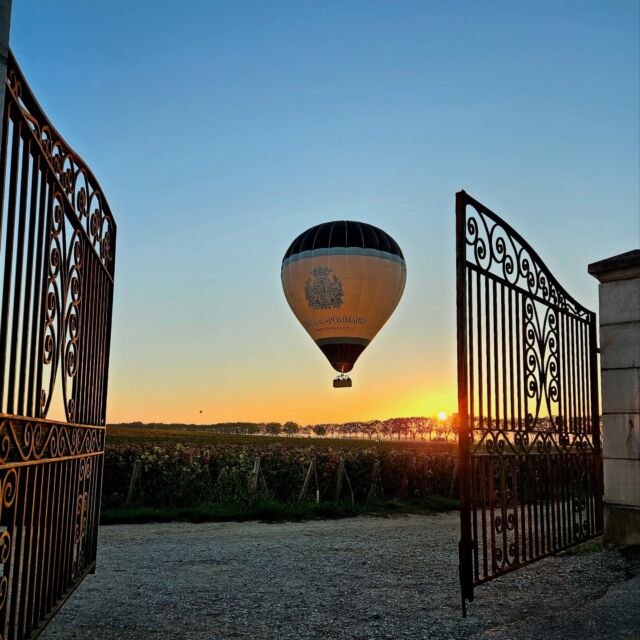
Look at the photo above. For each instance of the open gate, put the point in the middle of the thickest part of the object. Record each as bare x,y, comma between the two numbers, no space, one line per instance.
57,254
530,462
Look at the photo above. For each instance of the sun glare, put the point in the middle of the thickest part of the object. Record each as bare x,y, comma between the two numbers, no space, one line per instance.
442,416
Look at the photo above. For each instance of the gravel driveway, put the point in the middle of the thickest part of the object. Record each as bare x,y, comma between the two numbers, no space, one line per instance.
356,578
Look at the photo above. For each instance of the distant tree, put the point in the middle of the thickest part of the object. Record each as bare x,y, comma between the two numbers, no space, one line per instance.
291,428
452,428
320,430
441,430
273,428
253,429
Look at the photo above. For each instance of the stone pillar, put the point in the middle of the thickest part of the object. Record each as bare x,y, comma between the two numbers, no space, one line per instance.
620,376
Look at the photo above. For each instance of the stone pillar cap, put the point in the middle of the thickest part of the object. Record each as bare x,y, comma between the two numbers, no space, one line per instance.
621,267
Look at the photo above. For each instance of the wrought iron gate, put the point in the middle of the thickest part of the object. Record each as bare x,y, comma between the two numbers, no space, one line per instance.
530,464
57,251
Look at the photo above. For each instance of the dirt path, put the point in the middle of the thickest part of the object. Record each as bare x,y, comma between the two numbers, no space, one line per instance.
355,578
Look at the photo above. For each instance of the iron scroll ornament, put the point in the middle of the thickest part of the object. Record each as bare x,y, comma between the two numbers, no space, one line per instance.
76,181
498,249
28,440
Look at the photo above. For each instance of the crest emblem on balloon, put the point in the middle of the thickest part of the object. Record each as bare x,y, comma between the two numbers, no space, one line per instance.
323,292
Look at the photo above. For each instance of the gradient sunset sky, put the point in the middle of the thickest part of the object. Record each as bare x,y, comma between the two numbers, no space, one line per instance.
221,130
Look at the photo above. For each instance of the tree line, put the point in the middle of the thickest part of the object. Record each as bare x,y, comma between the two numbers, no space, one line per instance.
416,428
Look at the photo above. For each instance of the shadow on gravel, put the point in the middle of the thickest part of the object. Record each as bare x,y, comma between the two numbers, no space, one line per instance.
273,511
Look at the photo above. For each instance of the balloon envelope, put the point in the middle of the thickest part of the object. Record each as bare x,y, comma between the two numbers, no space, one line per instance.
342,281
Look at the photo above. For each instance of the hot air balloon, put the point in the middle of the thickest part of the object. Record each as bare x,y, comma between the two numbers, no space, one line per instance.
342,281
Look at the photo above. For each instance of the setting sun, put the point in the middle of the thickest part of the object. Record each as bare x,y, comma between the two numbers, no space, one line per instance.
442,415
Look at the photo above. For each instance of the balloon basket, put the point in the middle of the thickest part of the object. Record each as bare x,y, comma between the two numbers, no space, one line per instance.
341,381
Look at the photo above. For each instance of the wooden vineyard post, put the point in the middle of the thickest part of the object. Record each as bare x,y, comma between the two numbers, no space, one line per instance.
454,478
343,472
305,487
253,481
339,480
376,481
135,474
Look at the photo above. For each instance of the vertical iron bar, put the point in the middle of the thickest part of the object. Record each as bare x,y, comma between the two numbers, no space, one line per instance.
36,312
18,544
512,421
492,514
465,547
23,399
519,359
495,356
574,378
595,420
515,497
46,248
550,481
580,380
479,351
503,354
17,291
30,536
8,266
7,121
474,514
487,316
31,579
471,417
485,555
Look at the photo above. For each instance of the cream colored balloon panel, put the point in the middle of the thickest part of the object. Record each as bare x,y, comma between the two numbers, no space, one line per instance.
376,291
390,280
343,295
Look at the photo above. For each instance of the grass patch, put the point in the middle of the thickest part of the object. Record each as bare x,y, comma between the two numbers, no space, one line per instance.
592,546
273,511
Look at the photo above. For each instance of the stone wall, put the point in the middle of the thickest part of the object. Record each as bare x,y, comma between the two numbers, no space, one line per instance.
620,377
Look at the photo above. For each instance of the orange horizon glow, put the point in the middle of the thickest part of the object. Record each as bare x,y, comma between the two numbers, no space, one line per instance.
304,399
305,411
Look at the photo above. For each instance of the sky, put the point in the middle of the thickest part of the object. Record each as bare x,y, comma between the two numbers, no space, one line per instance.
219,131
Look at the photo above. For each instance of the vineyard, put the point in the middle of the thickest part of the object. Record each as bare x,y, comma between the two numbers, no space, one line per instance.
155,472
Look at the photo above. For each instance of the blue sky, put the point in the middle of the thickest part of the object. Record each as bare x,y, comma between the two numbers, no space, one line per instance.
221,130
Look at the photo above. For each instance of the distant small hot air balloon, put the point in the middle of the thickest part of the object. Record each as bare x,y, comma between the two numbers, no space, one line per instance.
342,281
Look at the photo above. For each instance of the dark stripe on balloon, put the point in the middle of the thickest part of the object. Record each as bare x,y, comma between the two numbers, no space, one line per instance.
343,251
342,356
344,233
359,341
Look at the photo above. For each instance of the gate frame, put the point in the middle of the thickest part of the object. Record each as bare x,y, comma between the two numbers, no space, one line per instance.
56,308
465,432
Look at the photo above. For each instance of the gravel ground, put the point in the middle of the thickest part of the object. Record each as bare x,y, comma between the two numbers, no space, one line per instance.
356,578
